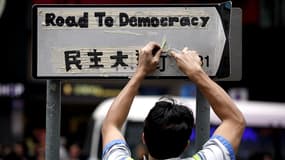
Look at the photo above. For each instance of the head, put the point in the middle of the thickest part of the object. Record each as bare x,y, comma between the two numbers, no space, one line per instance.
74,150
167,129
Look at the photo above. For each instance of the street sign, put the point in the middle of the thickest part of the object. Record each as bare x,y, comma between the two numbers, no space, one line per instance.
102,41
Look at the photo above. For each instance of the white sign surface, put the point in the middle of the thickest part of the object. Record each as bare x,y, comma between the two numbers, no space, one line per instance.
103,41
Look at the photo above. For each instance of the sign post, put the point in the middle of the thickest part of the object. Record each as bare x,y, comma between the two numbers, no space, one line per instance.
202,104
102,41
53,114
202,120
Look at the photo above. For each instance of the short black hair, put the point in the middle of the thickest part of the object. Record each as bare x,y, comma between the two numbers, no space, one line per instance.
167,128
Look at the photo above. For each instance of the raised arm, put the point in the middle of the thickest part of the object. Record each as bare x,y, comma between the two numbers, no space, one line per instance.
233,122
118,112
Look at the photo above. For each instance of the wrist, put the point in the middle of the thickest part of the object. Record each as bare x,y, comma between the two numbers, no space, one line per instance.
198,77
139,74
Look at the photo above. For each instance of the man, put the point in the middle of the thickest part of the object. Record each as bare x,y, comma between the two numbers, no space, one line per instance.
168,118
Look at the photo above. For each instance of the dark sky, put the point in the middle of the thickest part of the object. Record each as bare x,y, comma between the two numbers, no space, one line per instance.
14,32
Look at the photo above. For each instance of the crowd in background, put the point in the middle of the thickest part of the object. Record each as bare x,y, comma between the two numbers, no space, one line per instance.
33,148
21,151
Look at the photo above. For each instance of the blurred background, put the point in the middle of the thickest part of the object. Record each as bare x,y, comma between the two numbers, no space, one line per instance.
23,99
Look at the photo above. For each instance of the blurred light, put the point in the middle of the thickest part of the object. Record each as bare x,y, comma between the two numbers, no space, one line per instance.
88,90
67,89
188,90
250,135
2,7
11,90
239,93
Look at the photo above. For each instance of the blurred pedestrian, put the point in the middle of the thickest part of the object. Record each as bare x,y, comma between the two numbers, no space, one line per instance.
19,152
63,153
75,152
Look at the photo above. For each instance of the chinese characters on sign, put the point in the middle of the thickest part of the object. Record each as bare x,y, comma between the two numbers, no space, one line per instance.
112,60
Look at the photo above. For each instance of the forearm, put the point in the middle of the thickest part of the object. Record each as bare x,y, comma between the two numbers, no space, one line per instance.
233,122
118,112
220,101
120,107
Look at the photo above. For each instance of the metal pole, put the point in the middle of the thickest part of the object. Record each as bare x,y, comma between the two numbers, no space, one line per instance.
202,120
53,109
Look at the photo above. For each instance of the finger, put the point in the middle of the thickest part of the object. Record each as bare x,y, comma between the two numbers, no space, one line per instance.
157,54
153,45
174,50
193,52
150,46
140,51
185,49
156,57
173,54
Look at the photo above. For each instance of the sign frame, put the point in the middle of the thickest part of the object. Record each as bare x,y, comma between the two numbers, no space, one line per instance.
224,70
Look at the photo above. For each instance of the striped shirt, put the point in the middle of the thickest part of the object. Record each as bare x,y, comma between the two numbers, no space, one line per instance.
216,148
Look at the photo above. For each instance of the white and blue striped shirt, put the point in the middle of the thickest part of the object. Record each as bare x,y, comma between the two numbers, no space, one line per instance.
216,148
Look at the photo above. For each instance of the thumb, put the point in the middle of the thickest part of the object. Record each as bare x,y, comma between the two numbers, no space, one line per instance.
173,54
175,51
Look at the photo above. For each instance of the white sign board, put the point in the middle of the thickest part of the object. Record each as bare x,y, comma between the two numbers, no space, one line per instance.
103,41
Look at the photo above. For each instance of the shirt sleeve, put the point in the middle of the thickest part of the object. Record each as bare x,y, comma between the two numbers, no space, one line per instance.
216,148
116,150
